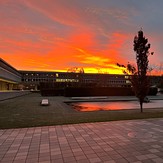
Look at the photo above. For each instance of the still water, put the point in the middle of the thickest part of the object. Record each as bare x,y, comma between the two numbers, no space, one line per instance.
120,105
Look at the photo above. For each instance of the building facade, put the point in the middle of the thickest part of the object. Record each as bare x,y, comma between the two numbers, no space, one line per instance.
32,79
10,78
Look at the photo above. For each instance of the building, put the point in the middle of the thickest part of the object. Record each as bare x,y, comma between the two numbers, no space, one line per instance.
10,78
32,79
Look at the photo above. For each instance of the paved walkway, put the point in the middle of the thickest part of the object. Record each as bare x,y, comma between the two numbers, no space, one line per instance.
108,142
4,95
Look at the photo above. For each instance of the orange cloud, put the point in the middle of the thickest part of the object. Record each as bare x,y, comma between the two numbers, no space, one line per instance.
57,35
60,54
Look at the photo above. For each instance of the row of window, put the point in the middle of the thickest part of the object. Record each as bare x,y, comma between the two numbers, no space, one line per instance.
75,80
38,75
67,80
67,75
37,80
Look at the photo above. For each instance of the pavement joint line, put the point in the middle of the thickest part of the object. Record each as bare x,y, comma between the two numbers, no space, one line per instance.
100,137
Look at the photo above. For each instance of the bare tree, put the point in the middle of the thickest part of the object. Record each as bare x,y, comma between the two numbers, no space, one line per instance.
76,70
160,68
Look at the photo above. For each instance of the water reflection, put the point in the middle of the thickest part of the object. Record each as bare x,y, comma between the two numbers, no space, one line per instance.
120,105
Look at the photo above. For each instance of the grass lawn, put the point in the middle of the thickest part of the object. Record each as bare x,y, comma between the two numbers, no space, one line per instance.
25,111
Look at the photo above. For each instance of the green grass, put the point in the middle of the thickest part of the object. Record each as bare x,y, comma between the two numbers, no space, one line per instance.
26,111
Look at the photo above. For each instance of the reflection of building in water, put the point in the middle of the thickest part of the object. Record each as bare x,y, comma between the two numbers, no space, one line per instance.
9,76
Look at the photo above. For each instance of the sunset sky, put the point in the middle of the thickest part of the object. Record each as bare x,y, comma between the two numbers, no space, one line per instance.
55,35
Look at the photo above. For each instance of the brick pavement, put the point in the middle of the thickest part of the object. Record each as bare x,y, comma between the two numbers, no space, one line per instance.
138,141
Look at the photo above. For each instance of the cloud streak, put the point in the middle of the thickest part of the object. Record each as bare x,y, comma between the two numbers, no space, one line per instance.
93,34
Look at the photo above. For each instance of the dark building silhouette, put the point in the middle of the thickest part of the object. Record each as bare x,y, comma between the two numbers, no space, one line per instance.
10,78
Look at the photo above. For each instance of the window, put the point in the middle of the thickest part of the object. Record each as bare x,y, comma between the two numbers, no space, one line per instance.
127,81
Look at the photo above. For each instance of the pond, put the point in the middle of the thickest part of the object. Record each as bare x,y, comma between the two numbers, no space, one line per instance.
118,105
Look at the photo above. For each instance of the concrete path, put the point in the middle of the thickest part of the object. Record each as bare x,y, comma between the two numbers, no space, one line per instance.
138,141
4,95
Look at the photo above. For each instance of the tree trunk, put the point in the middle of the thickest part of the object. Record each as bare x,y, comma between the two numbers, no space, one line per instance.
141,106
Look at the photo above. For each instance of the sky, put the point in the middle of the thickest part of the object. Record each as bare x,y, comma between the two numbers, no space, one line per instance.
57,35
